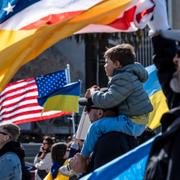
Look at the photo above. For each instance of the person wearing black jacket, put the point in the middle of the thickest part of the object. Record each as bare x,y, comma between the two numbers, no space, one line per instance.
164,158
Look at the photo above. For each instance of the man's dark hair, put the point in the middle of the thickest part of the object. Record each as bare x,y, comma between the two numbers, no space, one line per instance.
124,53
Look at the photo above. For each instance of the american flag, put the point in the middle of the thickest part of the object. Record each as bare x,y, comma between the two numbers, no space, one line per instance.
18,101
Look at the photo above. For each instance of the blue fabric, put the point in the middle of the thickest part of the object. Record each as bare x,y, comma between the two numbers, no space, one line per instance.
18,5
152,85
10,166
130,166
49,83
68,89
54,169
120,123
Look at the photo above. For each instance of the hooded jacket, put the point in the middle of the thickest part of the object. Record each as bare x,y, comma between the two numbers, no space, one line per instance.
125,90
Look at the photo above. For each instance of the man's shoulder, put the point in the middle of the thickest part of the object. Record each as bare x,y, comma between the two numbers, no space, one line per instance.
110,146
10,156
115,138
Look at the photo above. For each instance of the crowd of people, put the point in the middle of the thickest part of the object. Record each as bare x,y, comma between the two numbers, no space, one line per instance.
119,115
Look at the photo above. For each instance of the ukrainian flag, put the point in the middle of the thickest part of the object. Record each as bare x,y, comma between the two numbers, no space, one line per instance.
157,97
64,99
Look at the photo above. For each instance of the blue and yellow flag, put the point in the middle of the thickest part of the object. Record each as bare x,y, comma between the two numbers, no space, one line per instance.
129,166
64,99
157,97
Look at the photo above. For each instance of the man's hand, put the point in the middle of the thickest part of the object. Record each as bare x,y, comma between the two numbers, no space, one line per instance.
78,163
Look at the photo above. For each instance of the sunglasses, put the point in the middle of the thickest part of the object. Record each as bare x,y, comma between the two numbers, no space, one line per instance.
44,143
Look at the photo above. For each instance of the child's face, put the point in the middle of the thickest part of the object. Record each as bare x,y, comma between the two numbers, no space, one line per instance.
109,66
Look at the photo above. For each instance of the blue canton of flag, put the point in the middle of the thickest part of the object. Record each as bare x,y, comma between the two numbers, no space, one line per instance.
51,82
9,8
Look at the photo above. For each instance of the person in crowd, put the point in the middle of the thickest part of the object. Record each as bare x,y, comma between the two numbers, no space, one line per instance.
125,91
164,157
59,155
12,165
108,146
43,161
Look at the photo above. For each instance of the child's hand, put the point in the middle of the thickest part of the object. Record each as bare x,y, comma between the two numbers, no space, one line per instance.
89,91
88,94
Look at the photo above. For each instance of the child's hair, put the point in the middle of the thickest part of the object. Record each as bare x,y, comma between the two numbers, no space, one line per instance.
124,53
58,151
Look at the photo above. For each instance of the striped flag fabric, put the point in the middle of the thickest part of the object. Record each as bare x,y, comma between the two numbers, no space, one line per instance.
65,98
18,101
29,27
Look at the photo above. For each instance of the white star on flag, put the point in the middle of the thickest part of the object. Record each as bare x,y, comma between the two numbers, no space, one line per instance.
9,8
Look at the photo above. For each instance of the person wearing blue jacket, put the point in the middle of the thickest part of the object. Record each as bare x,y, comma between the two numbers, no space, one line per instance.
12,165
125,91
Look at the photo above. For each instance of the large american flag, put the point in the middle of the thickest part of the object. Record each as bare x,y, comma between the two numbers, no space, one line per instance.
18,101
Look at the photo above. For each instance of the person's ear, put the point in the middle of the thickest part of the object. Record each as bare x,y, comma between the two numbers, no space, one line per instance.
117,64
100,113
6,137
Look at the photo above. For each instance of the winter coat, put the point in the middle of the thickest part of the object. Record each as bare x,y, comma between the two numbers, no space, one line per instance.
125,91
164,158
12,165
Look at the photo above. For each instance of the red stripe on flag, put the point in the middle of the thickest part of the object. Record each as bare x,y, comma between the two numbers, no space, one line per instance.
17,89
51,19
20,95
19,103
140,15
16,103
124,22
42,118
13,109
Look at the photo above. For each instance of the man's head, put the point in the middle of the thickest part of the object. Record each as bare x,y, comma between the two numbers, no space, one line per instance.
9,132
95,112
174,36
175,81
117,57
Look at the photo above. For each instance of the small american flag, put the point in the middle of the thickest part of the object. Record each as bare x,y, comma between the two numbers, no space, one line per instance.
18,101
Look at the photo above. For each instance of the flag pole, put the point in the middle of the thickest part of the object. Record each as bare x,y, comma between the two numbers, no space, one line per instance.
73,115
68,73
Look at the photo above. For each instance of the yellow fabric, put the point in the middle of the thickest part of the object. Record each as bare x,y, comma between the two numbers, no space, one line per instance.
59,175
19,47
158,101
142,119
64,103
